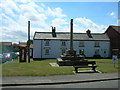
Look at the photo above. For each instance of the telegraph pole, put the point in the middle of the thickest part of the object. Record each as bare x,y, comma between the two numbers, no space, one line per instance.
28,41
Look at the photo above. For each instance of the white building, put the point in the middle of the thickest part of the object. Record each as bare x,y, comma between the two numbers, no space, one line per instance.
53,44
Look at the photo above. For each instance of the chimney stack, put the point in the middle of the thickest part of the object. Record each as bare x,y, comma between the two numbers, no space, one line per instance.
89,33
53,31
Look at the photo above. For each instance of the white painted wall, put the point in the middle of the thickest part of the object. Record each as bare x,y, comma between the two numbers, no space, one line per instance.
105,46
37,48
56,45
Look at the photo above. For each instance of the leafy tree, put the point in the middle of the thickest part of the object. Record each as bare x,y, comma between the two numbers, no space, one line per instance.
16,49
29,42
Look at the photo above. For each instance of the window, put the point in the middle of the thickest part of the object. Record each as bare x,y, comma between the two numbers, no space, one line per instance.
81,51
97,44
46,51
63,43
96,51
63,51
81,44
46,43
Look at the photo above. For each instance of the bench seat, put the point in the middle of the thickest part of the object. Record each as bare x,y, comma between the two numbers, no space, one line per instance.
85,66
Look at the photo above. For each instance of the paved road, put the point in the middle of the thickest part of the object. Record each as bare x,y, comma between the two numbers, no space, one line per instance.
58,78
101,84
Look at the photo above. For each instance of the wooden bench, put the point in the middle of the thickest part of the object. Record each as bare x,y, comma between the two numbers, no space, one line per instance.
87,64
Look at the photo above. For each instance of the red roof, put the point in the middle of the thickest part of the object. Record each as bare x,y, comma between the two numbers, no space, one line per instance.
6,43
15,45
21,44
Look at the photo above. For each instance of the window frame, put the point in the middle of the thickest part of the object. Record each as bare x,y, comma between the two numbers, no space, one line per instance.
81,51
63,51
97,52
81,44
47,43
47,51
63,43
97,44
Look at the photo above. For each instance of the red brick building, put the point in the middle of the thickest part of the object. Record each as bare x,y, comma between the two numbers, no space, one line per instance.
114,34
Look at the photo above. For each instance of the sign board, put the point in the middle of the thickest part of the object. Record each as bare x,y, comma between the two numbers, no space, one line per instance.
114,58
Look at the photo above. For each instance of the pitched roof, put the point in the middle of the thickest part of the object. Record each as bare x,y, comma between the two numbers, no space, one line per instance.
116,28
66,36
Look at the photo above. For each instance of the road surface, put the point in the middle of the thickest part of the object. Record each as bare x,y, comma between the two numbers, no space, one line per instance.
100,84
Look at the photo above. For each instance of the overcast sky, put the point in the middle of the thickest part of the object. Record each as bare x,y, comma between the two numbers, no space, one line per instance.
96,16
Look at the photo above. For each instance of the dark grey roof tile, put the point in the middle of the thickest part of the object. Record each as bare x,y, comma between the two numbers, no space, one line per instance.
66,36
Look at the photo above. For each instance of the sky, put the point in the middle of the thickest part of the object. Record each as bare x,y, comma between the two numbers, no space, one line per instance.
15,14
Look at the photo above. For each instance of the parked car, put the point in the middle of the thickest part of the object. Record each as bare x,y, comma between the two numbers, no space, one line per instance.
0,55
17,53
14,55
6,57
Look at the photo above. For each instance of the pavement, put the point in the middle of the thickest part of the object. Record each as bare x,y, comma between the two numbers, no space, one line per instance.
58,79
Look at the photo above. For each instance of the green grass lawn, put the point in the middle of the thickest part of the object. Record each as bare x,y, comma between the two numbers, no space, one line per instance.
102,60
35,68
43,68
106,65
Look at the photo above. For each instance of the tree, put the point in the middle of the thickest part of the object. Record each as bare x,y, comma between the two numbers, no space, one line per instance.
29,42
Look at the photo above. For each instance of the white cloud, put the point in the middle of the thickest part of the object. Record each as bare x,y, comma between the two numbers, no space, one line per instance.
15,19
15,36
83,24
11,23
23,1
9,6
112,14
33,13
80,25
57,12
58,22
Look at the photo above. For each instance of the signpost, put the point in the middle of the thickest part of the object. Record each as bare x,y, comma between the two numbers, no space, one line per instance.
114,59
114,56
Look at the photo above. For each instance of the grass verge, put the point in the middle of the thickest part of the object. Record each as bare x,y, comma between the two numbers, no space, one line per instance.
43,68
